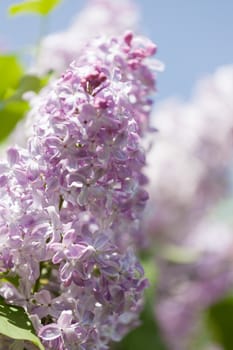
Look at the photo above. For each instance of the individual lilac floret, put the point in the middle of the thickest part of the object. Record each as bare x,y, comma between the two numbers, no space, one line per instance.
73,200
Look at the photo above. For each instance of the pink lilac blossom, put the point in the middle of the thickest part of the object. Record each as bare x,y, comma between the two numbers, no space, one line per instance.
189,164
98,17
59,50
190,172
72,200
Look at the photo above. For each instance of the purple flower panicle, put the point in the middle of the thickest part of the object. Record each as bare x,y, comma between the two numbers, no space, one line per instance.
72,200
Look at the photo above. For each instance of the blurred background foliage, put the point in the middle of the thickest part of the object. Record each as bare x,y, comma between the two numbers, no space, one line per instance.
13,84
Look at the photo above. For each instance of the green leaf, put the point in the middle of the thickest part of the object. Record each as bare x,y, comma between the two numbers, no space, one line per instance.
13,84
220,320
41,7
10,73
9,277
12,107
26,83
10,113
29,83
15,324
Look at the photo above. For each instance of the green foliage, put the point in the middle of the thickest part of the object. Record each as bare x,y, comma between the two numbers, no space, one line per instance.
28,83
10,114
15,324
10,277
41,7
10,72
220,320
13,85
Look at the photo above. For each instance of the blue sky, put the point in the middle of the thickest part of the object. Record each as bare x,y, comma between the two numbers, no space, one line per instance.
194,37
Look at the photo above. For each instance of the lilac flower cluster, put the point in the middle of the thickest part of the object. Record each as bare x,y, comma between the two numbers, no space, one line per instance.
190,181
59,49
98,16
72,200
189,135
